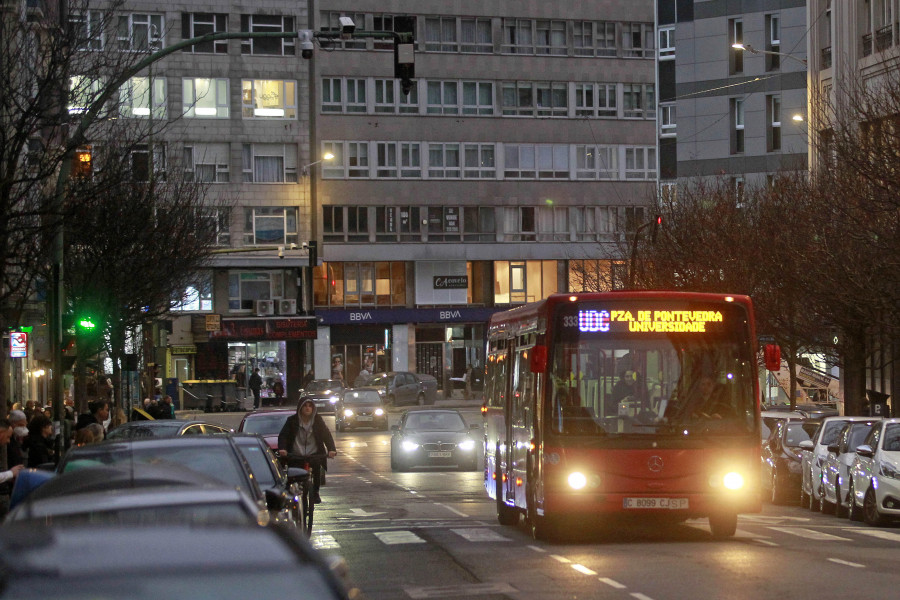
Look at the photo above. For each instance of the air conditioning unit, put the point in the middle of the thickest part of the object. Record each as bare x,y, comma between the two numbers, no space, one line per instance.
265,307
287,307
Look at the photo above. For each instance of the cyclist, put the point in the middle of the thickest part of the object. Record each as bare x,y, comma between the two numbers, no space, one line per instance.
306,434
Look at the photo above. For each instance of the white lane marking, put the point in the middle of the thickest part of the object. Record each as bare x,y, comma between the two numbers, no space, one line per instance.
451,509
448,591
536,548
847,563
640,596
325,542
583,569
392,538
480,534
884,535
767,519
810,534
361,512
765,542
612,583
559,558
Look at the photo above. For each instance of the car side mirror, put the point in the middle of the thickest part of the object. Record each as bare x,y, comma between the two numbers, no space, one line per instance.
807,445
865,450
833,448
275,500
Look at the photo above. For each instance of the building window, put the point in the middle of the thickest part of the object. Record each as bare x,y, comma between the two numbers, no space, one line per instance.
667,119
220,221
476,35
205,98
773,42
443,98
553,223
583,38
268,99
737,132
197,296
330,20
443,161
638,101
666,43
141,32
736,55
333,223
443,224
207,163
479,224
637,40
87,30
358,159
550,38
526,98
357,224
389,99
143,164
592,276
336,167
269,163
384,23
440,34
356,95
362,283
518,36
519,224
268,46
478,161
773,110
245,288
518,282
270,225
640,163
478,98
198,24
332,94
411,223
398,159
595,100
519,161
134,97
596,162
606,38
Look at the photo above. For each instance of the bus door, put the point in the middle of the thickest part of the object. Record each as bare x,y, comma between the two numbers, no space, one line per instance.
521,425
495,426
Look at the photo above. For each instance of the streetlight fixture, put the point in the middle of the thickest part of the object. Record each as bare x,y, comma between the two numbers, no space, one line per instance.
325,157
753,50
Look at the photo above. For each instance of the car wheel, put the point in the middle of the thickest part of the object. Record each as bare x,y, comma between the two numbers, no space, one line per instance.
396,466
839,509
723,524
854,513
814,495
871,514
339,426
421,400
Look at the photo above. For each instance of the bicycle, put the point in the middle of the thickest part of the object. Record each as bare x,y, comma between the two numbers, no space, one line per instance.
306,506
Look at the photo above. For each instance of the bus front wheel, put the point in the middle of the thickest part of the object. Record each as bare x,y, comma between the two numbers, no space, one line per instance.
723,524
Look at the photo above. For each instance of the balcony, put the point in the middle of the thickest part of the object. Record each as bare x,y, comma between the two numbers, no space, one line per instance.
867,44
884,38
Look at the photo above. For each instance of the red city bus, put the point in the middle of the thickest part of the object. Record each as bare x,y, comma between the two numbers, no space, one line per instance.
599,405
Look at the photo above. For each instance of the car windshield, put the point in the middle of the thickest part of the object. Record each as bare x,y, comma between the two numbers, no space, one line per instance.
218,461
266,424
831,433
323,385
796,433
858,433
157,429
424,421
380,380
892,437
362,397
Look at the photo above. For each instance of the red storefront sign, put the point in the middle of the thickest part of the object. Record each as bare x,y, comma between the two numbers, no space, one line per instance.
302,328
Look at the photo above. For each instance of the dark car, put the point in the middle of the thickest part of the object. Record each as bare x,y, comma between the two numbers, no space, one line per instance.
360,408
434,438
782,459
163,428
216,456
267,423
399,388
324,392
173,562
279,484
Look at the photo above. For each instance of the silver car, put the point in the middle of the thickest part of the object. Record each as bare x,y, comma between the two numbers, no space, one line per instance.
814,454
875,476
836,471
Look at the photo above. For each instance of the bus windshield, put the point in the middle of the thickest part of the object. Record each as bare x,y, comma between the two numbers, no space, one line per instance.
650,368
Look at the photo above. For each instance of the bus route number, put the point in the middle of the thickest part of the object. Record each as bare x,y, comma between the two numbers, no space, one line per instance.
588,321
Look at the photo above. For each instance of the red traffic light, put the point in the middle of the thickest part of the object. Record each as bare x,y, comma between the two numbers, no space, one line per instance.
772,354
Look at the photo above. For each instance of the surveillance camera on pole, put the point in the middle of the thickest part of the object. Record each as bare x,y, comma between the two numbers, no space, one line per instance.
305,38
347,28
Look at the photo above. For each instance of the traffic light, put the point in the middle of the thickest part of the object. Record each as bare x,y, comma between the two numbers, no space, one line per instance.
86,324
405,52
83,163
657,225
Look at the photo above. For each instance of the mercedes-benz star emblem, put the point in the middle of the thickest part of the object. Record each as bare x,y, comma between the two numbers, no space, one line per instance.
655,463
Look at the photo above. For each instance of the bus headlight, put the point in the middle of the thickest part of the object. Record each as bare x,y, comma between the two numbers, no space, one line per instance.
577,480
467,445
348,412
379,412
408,445
733,480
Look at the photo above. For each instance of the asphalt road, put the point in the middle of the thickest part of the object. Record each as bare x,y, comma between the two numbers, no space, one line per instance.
434,534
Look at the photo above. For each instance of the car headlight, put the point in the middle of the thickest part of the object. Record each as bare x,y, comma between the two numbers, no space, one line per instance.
577,480
467,445
889,471
333,399
408,445
379,412
381,392
348,412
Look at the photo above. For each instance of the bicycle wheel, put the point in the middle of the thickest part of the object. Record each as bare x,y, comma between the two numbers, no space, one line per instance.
307,507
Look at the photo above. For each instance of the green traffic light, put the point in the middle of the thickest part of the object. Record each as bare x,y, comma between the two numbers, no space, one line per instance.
86,323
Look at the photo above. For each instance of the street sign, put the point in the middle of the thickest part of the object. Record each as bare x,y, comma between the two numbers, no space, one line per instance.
18,344
213,322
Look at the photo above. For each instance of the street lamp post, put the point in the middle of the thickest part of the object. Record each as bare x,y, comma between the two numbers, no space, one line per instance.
753,50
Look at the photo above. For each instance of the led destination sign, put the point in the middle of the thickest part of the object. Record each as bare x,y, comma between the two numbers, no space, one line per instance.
644,321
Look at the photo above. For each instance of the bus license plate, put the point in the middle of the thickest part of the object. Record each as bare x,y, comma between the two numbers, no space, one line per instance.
363,418
663,503
440,454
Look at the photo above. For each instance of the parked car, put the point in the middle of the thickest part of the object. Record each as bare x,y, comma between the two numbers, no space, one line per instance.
279,484
814,453
267,423
163,428
769,418
836,471
324,392
216,456
403,388
434,438
360,408
173,562
875,475
781,459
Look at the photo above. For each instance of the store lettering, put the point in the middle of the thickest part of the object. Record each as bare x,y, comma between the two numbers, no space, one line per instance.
449,314
366,316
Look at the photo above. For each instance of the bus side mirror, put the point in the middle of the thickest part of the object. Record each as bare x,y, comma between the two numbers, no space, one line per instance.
539,359
773,357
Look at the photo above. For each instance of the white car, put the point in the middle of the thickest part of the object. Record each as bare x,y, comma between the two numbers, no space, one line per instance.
836,471
875,487
814,453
